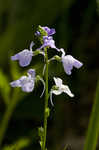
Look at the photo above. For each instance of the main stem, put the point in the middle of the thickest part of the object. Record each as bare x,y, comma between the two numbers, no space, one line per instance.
46,101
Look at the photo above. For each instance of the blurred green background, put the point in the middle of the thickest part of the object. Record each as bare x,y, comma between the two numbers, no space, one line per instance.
77,28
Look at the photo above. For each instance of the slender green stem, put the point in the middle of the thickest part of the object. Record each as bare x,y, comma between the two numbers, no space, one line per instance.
46,101
93,129
6,118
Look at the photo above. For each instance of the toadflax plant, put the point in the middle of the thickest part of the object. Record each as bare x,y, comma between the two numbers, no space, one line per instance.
27,83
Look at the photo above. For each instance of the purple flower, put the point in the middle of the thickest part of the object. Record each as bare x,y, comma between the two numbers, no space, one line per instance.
48,42
25,82
24,56
49,31
37,33
69,62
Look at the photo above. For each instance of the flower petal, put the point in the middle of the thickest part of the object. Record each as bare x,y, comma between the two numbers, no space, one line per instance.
16,83
58,81
67,90
68,63
48,41
31,72
63,52
49,31
25,82
28,85
57,92
77,63
24,57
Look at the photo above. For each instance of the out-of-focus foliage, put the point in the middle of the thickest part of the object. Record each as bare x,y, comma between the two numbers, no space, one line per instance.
93,130
97,6
4,87
18,145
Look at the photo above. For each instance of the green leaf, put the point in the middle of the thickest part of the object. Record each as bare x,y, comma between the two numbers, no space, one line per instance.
18,145
67,147
93,129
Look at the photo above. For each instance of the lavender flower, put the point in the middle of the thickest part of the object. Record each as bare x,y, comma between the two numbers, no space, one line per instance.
69,62
49,31
48,42
25,82
24,57
60,88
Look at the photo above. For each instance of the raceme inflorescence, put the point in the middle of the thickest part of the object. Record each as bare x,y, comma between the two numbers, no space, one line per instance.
27,83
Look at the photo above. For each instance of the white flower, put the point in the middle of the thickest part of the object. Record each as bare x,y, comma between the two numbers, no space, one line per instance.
60,88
